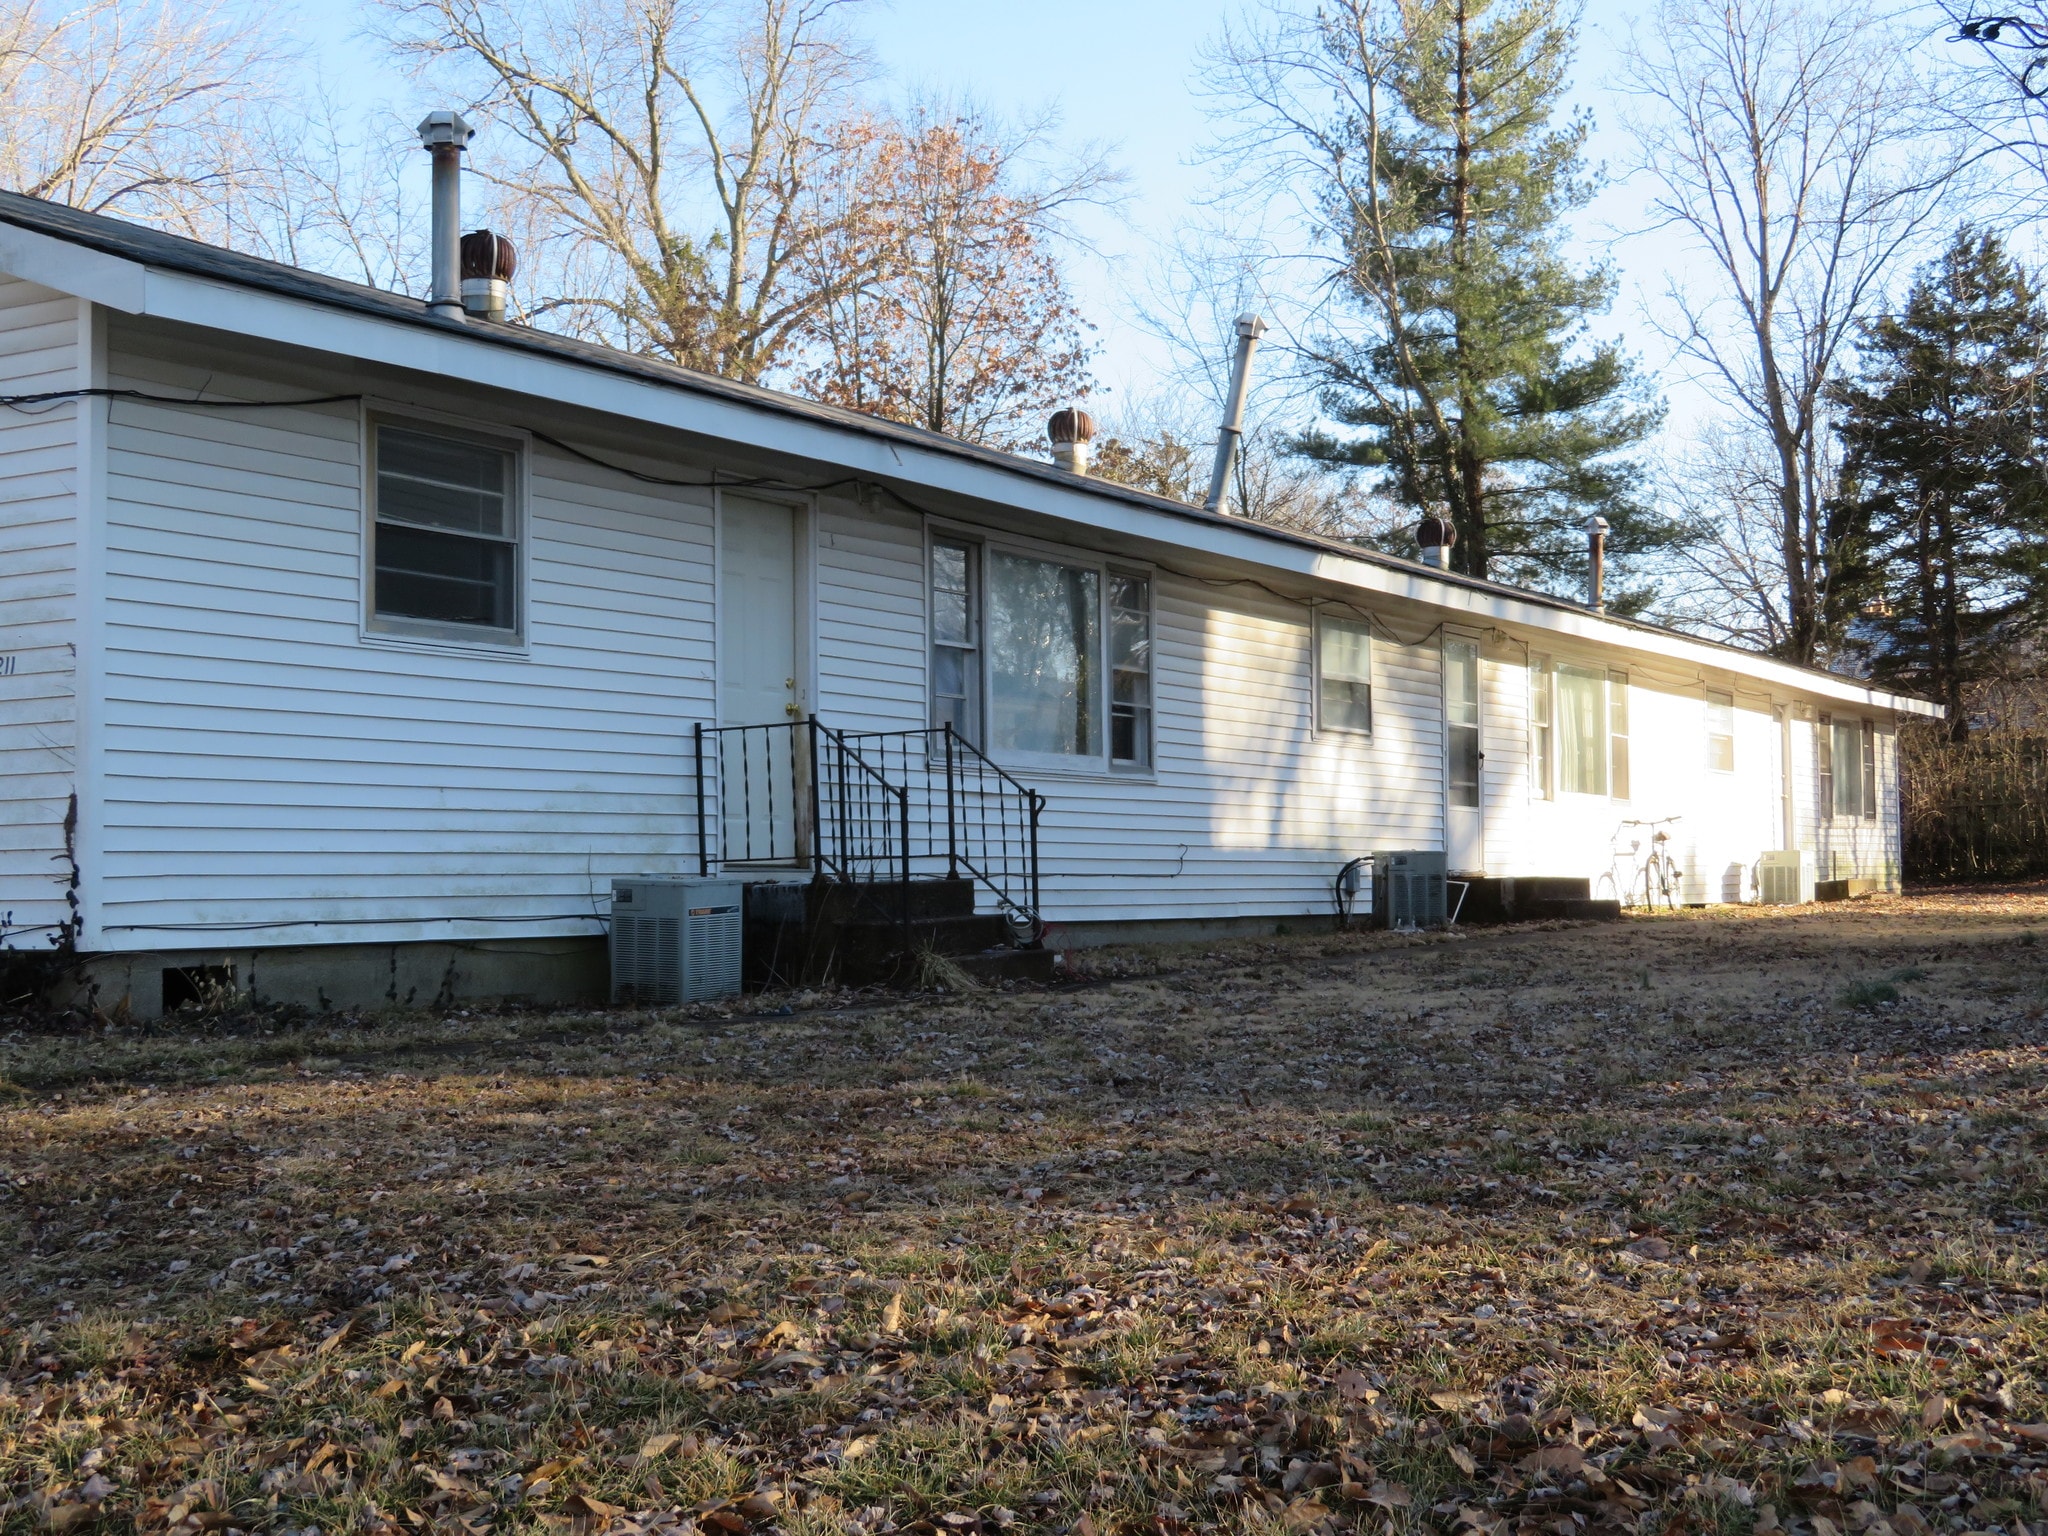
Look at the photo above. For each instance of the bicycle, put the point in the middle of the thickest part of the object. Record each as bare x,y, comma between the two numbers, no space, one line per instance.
1656,878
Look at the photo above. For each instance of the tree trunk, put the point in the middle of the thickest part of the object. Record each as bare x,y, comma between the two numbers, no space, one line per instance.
1467,490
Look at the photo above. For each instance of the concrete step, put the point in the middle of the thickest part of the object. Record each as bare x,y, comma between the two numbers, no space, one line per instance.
1590,909
998,965
1520,899
833,902
951,936
1843,890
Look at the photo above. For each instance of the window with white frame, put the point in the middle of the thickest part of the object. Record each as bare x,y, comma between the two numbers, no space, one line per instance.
1720,732
1586,730
1847,754
1542,751
956,639
444,534
1130,670
1343,675
1039,658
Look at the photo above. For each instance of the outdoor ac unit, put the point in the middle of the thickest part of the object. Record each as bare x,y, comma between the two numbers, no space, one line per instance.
1784,878
675,941
1408,888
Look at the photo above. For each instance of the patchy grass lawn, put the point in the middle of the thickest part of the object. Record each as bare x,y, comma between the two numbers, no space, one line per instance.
1711,1222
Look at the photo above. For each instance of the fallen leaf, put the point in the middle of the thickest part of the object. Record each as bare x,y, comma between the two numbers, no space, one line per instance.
1388,1495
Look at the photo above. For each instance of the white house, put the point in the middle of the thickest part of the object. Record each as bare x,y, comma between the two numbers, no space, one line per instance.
361,647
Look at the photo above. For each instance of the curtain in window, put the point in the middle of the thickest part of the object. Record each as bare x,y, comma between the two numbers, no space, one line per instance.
1582,730
1042,625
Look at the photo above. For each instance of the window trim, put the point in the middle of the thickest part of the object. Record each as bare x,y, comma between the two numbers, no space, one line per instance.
1098,765
1131,767
433,634
1542,727
1318,617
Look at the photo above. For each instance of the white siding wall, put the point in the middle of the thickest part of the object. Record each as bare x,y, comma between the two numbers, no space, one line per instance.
271,776
1727,820
266,765
1250,813
40,348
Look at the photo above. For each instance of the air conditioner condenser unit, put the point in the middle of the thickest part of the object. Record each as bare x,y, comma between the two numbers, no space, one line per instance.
1408,888
675,941
1784,877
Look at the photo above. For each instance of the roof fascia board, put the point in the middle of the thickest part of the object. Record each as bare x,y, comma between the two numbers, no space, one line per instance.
84,273
481,362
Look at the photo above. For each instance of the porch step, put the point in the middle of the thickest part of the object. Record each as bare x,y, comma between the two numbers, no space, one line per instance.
1843,890
996,965
1524,899
1591,909
929,899
951,936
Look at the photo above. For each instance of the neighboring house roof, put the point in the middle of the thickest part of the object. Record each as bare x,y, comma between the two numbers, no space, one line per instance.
140,270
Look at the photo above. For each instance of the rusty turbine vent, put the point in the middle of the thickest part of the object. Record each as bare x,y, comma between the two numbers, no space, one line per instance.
1436,535
488,262
1071,424
485,254
1072,430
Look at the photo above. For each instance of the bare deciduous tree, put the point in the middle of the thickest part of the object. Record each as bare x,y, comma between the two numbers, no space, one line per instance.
963,323
671,158
146,110
1792,141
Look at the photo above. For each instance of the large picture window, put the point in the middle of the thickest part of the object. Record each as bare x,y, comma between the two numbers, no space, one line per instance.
1044,636
1038,658
1588,724
1343,675
445,538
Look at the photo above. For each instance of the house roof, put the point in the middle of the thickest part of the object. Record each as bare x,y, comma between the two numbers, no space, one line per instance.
141,270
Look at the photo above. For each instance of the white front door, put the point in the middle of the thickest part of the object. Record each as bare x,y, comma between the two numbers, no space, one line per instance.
759,770
1464,756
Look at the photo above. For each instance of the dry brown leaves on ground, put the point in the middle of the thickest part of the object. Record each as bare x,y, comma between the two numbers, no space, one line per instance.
1717,1222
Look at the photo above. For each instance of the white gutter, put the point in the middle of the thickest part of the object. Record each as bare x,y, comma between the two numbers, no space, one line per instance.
474,359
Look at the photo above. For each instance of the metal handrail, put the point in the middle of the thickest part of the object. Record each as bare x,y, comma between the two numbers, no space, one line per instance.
858,802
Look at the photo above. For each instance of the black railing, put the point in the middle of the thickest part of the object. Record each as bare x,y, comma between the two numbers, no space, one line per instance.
867,808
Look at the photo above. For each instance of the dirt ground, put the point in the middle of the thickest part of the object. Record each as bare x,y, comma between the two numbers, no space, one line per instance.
1725,1221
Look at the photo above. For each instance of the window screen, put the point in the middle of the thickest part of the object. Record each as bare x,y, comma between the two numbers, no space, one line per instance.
1130,670
446,539
1344,675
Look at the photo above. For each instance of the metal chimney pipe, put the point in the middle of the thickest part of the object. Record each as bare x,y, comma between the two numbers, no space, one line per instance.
1249,329
1596,563
445,135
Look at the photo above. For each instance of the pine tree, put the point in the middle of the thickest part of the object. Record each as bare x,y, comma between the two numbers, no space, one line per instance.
1943,489
1474,388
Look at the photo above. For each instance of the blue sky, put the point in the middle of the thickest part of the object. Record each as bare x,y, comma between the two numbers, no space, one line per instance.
1119,73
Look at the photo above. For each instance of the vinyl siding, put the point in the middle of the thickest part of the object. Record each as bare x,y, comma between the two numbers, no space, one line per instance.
40,345
273,775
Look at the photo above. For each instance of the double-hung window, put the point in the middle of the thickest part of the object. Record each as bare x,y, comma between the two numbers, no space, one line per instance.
1130,670
956,639
1343,675
1542,751
444,536
1042,660
1847,752
1720,732
1583,728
